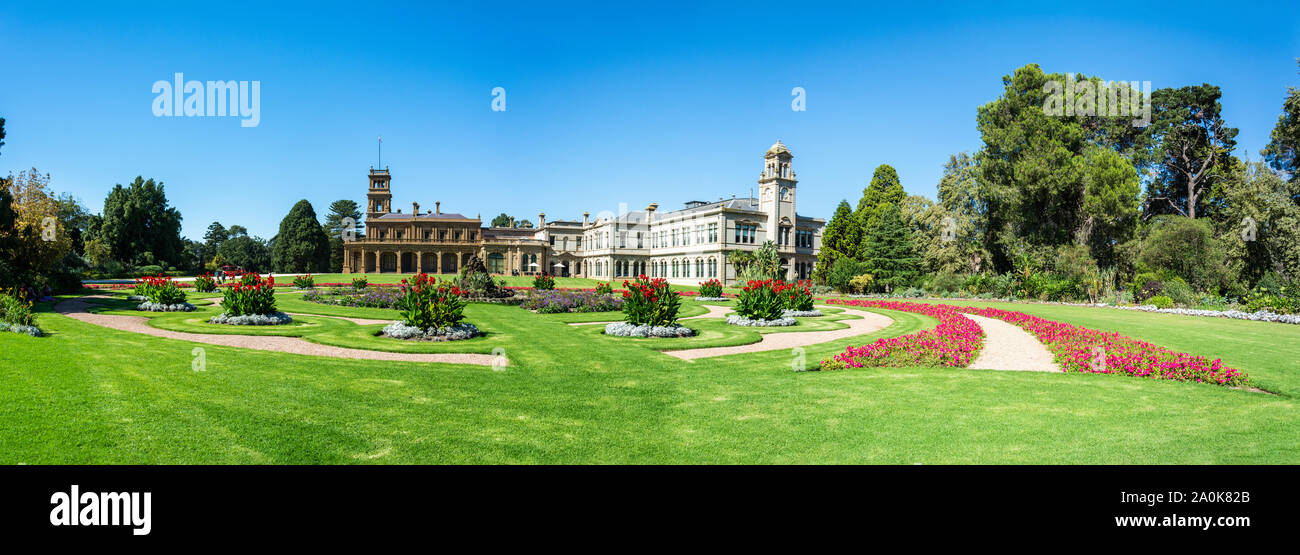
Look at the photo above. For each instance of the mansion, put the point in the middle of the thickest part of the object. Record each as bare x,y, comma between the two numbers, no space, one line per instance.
684,246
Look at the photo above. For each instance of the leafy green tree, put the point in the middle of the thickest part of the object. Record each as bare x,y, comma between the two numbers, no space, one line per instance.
1111,208
502,220
836,242
959,219
249,253
137,219
887,250
237,231
1193,147
340,210
1283,148
843,272
302,244
1186,248
884,189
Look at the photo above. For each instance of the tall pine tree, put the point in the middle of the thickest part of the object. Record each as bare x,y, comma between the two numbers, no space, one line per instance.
301,245
887,250
836,241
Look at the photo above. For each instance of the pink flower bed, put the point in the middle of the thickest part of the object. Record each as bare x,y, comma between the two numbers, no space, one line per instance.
957,340
1076,350
954,342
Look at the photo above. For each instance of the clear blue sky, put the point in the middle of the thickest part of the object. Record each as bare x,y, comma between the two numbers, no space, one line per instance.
647,102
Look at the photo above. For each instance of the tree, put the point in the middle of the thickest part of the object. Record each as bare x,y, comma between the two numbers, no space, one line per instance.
1193,146
1186,248
1111,208
249,253
885,188
341,210
1283,149
961,246
502,220
137,220
1258,222
29,214
835,242
237,231
302,244
887,250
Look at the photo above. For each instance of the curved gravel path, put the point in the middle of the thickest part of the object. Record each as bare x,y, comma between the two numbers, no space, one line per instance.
76,309
357,321
1010,347
715,311
868,323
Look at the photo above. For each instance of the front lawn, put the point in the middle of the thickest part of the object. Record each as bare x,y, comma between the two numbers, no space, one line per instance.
88,394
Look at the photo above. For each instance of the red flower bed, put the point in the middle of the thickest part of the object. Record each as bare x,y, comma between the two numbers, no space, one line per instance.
1079,349
954,342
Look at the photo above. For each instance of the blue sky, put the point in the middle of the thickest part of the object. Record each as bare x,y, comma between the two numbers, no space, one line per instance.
639,103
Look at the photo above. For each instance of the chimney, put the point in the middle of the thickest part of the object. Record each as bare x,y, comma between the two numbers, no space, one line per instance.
512,222
437,205
415,208
541,220
650,212
586,219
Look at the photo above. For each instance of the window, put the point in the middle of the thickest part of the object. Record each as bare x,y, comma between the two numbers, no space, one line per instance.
442,235
638,240
579,244
713,233
552,240
674,268
496,263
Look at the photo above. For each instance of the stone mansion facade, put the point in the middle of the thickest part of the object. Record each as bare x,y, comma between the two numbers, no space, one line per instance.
685,246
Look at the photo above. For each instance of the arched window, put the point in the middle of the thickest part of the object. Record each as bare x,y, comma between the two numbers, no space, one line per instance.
496,263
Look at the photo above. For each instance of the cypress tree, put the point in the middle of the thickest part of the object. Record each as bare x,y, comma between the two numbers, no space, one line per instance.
302,244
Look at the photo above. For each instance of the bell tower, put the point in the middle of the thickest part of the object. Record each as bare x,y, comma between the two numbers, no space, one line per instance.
379,199
776,190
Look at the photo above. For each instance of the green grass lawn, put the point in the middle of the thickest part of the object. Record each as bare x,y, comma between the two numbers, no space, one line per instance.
87,394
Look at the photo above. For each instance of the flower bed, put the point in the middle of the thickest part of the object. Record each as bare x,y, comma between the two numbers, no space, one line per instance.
559,301
275,319
625,329
1079,349
544,281
431,311
800,313
16,314
955,342
711,290
251,301
205,284
400,330
304,282
738,320
159,290
159,307
370,297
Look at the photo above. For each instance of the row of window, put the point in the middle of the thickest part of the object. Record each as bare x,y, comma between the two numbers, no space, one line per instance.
699,267
443,234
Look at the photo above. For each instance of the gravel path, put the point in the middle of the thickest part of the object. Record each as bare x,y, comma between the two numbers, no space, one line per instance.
76,309
1009,347
357,321
869,322
715,311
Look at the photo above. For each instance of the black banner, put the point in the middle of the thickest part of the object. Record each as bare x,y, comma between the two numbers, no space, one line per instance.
323,504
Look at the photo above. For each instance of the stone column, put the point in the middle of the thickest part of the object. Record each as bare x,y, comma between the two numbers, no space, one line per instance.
460,261
419,259
438,262
400,269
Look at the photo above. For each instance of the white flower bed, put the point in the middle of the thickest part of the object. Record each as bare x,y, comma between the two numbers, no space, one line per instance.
400,330
137,298
800,313
1260,316
624,329
712,299
279,318
159,307
19,328
738,320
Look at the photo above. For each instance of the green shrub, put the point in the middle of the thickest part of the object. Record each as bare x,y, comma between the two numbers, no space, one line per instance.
763,300
14,310
946,282
711,288
252,295
304,282
602,288
205,284
650,302
159,289
1181,293
1161,301
427,304
360,282
543,281
800,296
842,273
1145,285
